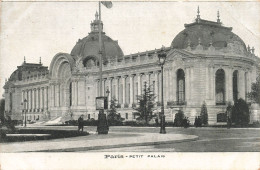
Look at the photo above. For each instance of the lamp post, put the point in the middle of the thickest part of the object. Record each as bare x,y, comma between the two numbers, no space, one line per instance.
162,57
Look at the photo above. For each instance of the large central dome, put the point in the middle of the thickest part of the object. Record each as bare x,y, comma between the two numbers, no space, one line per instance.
89,46
208,33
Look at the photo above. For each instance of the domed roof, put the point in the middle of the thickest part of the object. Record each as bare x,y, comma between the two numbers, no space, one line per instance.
205,33
89,46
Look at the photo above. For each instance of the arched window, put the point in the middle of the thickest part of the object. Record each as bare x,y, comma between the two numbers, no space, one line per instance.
220,87
235,85
180,86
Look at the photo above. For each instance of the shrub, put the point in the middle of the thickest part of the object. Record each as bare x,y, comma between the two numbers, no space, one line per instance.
179,117
240,113
204,114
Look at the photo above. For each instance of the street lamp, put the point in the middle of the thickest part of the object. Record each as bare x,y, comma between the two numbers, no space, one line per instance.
162,57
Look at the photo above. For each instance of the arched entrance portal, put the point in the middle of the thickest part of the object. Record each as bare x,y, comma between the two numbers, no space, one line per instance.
64,75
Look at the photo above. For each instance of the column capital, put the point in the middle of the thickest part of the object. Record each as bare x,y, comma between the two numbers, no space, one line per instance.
157,71
132,75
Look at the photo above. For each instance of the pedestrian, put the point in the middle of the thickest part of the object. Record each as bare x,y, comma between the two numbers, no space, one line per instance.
196,121
80,123
228,122
156,121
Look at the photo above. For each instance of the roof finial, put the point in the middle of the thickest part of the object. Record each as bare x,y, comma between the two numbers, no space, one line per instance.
218,20
40,60
198,13
96,16
248,49
24,60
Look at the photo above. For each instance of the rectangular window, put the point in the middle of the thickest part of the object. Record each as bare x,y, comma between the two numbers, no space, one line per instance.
126,116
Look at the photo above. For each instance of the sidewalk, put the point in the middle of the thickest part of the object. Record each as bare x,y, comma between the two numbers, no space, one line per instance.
95,142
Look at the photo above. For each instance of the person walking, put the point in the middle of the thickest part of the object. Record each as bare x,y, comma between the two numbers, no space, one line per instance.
80,123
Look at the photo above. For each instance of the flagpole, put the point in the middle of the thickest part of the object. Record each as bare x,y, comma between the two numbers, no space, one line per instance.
100,52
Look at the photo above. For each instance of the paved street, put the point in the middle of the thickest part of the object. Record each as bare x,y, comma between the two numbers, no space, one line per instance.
210,140
129,139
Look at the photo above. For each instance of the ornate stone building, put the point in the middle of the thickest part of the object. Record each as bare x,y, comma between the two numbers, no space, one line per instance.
206,62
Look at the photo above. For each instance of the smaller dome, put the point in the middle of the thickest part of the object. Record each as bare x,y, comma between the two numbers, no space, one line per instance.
208,32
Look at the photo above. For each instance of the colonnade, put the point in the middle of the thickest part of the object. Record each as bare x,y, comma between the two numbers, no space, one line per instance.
126,87
37,99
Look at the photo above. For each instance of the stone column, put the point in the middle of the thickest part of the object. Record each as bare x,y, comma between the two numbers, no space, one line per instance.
124,90
170,84
103,87
191,78
212,82
165,85
97,89
46,98
174,84
241,84
52,96
76,93
22,96
229,85
207,83
131,79
110,90
188,84
41,98
33,99
139,84
27,98
213,85
116,88
147,79
156,75
249,81
36,99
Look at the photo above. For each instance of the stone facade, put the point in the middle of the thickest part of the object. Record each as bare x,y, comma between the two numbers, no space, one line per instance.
206,62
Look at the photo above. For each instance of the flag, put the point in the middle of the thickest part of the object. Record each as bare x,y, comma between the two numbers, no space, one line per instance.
107,4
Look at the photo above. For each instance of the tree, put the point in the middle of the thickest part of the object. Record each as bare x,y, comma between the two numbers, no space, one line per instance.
204,113
145,104
113,117
254,95
179,117
2,110
240,113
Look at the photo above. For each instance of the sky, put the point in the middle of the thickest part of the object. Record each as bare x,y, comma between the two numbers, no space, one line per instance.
43,29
